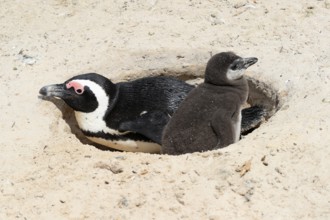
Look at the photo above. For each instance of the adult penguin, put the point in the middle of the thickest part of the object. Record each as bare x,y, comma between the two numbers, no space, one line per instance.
127,116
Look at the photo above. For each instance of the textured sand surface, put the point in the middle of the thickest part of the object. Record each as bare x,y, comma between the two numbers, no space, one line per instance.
46,172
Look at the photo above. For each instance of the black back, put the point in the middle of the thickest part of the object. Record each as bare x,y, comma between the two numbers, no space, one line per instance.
146,95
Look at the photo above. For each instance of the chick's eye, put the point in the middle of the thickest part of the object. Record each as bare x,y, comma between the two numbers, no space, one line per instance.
233,67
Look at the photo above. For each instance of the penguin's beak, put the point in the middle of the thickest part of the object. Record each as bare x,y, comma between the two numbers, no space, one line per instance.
56,90
249,61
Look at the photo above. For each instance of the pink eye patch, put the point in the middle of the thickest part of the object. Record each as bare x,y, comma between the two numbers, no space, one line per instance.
78,88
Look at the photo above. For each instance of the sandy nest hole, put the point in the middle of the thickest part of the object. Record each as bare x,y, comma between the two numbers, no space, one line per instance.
260,94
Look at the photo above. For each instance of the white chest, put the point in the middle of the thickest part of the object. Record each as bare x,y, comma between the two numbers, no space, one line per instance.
93,122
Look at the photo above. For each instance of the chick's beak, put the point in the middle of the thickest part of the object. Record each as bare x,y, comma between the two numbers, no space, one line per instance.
249,61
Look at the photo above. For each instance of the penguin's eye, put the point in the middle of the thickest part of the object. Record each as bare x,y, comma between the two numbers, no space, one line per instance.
234,67
79,91
77,87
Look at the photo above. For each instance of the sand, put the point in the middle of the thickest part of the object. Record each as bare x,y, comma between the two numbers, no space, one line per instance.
279,171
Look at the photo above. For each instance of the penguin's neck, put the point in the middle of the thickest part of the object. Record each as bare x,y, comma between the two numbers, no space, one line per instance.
241,90
113,99
94,122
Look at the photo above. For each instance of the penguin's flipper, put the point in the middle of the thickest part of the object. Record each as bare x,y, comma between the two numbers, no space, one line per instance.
149,124
252,118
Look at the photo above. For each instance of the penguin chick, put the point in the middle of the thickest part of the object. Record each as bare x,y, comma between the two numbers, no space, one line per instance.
128,116
210,116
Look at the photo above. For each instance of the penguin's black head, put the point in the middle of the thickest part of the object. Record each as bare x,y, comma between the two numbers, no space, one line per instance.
227,68
83,93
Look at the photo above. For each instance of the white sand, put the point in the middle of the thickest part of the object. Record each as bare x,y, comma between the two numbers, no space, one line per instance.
46,172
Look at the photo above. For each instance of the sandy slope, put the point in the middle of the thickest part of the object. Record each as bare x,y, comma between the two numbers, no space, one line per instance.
46,172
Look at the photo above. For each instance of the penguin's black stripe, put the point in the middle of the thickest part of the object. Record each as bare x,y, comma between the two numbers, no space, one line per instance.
113,137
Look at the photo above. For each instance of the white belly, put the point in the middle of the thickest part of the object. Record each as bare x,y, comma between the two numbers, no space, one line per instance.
237,127
128,145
